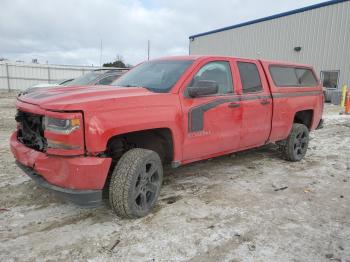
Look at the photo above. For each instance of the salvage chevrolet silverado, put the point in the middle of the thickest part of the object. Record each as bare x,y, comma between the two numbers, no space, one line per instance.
89,142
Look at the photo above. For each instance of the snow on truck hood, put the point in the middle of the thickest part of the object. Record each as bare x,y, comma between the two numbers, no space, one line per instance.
79,97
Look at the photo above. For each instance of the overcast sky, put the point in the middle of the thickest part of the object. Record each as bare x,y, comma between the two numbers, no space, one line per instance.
70,31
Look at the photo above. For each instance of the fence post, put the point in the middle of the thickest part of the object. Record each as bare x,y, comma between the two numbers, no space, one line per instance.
8,77
48,74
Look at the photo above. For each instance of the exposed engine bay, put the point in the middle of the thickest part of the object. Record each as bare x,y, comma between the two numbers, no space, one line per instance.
31,130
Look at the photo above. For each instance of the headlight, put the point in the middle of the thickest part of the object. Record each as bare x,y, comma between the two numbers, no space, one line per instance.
61,126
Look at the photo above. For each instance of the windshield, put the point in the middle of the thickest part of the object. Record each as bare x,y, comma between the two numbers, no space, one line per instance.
66,82
86,79
158,76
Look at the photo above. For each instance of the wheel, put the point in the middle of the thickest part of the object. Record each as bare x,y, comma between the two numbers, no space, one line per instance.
135,183
297,143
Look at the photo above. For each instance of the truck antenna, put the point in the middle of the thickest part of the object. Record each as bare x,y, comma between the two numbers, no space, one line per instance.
148,48
101,53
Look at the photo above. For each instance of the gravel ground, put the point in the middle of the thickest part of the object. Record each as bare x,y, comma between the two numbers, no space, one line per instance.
249,206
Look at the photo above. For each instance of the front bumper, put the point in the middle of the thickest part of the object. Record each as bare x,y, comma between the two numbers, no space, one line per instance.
78,178
84,198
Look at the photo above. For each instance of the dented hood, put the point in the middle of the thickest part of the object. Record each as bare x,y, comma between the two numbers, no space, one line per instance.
81,97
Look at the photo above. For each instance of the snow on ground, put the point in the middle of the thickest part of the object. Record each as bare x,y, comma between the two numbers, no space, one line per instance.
249,206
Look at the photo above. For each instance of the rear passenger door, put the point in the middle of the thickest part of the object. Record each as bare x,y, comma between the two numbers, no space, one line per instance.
256,103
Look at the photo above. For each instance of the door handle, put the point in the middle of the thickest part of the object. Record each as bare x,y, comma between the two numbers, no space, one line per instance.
234,105
265,102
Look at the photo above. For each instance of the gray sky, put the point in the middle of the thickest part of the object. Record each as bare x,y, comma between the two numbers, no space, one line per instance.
70,31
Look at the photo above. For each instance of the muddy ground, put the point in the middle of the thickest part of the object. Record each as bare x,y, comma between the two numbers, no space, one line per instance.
250,206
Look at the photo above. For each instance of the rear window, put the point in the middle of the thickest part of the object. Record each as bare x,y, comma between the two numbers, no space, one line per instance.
306,77
292,76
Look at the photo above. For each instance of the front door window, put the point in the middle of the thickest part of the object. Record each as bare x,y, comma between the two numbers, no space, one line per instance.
219,72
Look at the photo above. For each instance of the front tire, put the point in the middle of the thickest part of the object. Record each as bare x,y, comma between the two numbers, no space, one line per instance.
297,143
135,183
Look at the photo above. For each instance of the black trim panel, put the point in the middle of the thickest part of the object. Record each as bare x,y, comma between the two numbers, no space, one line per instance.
308,93
196,114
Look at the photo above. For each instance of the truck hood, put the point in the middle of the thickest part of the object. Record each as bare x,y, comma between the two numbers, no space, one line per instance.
80,97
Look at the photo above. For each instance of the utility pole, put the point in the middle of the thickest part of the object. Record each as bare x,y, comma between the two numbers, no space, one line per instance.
148,48
101,54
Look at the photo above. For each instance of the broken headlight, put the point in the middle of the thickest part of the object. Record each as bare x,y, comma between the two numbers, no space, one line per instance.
61,126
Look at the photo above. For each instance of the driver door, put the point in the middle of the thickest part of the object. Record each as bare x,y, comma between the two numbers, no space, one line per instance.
213,122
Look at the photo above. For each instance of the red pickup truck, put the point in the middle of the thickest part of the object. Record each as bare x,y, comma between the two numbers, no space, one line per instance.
88,143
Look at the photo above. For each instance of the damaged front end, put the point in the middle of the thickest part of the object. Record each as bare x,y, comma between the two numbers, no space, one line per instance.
30,130
57,133
49,147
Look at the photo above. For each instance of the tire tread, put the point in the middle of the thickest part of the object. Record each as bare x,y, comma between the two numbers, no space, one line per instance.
287,149
121,180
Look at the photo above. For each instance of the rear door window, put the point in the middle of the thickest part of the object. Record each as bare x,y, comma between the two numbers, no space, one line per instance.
250,77
284,76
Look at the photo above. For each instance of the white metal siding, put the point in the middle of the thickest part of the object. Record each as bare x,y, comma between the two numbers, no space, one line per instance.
322,33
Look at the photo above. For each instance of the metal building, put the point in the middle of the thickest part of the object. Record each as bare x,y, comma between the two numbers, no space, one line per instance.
318,35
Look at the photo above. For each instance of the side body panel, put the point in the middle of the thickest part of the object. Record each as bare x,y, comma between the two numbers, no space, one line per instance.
256,111
211,124
287,101
130,115
229,122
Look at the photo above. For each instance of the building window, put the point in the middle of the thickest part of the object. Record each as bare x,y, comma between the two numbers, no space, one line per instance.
330,79
250,77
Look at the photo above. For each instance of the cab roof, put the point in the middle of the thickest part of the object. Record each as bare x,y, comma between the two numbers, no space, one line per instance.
197,57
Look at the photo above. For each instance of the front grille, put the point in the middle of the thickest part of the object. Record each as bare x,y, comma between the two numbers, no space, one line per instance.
31,131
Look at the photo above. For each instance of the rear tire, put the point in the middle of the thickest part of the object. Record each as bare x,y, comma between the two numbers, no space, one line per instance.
296,145
135,183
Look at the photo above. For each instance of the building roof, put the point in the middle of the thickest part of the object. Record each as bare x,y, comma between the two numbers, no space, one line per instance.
292,12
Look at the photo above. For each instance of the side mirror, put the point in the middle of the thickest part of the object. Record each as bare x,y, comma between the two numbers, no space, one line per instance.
203,88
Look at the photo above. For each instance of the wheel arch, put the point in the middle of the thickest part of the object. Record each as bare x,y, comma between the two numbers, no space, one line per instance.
160,140
304,117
